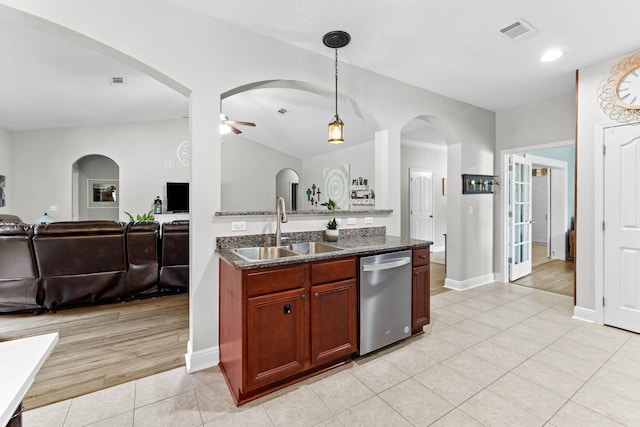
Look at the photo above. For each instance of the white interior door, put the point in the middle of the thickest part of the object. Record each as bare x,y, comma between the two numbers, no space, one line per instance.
622,228
421,205
520,217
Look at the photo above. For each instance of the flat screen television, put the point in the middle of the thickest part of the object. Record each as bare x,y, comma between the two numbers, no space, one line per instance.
177,197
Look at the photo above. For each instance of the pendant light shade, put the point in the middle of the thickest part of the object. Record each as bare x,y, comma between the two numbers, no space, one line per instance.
336,131
336,40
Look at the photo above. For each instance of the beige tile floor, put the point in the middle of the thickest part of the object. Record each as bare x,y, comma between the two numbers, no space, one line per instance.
498,355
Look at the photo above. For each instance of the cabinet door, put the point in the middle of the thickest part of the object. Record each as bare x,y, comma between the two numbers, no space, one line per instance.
275,336
333,321
421,295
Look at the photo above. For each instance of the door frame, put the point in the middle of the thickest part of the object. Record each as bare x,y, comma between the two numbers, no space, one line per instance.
562,167
503,272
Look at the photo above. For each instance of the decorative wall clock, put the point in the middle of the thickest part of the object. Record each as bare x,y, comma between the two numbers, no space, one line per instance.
619,92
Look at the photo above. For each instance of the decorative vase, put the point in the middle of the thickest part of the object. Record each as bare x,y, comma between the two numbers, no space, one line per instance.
331,235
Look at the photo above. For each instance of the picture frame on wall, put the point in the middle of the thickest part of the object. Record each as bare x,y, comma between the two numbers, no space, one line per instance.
103,193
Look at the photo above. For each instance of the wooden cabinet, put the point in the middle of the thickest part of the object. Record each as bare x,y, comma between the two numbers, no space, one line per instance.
275,336
281,324
420,304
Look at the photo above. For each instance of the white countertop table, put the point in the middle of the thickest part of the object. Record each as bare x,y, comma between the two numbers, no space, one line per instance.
20,361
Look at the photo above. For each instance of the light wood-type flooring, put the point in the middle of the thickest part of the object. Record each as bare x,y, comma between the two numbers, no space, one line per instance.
103,346
549,274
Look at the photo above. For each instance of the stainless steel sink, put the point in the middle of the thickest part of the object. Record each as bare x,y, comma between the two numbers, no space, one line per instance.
310,248
260,253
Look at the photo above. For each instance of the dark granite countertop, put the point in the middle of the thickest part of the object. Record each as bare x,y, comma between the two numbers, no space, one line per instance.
357,245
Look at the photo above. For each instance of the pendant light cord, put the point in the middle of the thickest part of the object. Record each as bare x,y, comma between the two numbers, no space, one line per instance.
336,82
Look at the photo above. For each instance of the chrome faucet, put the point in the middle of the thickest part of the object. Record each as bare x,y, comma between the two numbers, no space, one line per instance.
281,216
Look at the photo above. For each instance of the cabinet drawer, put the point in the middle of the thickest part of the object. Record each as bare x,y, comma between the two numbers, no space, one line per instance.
274,280
331,271
420,257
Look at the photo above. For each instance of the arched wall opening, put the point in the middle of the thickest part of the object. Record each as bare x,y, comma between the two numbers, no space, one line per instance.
290,132
95,188
426,160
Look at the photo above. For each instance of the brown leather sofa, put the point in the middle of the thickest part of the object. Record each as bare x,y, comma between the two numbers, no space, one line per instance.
67,264
19,279
174,270
81,262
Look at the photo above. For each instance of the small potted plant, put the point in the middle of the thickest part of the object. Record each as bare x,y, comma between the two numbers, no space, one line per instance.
331,233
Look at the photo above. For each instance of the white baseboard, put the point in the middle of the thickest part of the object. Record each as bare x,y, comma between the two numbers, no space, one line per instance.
463,285
202,359
584,314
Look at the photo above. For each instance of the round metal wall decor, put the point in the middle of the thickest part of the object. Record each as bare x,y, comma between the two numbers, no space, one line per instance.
184,153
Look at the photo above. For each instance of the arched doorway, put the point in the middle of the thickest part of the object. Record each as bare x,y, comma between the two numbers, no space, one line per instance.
424,165
96,188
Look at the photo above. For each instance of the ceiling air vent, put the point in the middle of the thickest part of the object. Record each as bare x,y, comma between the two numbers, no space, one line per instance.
519,30
115,81
283,111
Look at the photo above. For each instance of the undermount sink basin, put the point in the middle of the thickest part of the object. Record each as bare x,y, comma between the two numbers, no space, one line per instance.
310,248
263,253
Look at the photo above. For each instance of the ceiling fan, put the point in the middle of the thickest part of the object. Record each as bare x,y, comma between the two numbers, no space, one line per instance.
227,125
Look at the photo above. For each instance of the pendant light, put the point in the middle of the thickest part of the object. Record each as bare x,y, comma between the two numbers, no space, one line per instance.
336,40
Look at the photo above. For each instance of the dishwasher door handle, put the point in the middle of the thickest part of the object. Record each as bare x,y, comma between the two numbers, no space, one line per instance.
398,262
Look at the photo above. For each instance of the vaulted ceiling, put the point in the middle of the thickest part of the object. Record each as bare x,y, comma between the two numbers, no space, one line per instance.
452,48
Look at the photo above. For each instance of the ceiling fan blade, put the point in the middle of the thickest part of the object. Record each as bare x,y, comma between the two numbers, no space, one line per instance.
234,129
236,122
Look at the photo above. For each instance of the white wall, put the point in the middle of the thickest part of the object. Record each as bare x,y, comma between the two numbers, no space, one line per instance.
360,159
43,163
248,176
6,169
193,54
428,160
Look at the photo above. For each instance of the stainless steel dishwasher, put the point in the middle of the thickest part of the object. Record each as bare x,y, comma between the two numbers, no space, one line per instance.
385,300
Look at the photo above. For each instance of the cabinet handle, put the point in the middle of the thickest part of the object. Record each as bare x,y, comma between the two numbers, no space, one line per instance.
317,295
303,296
423,257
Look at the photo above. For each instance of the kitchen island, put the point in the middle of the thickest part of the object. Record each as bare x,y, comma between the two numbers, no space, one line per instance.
285,318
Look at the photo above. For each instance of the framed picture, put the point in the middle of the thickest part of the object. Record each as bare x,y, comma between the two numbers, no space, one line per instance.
3,191
102,193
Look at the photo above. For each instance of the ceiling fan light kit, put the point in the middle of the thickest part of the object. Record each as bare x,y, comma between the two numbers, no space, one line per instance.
227,125
336,40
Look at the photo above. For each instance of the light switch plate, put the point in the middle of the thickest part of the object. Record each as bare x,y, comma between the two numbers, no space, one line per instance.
368,220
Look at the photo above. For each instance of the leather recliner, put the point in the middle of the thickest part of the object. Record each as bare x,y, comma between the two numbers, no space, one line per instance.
19,279
174,264
81,262
142,254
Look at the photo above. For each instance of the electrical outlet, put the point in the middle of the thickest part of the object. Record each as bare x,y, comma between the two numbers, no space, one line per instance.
351,221
368,220
470,210
239,226
53,208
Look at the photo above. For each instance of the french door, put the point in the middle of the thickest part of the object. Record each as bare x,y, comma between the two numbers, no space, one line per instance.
519,217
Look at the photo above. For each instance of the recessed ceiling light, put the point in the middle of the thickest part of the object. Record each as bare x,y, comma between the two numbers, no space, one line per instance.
551,55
